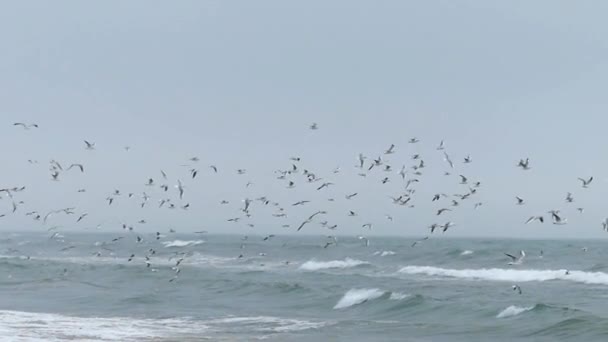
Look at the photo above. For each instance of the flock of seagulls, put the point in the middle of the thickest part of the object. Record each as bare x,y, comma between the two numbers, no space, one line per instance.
401,178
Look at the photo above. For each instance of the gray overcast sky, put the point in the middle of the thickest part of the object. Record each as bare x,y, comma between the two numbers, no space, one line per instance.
237,83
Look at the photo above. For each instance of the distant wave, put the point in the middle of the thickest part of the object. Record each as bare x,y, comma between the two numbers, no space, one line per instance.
467,252
511,275
513,311
384,253
182,243
313,265
29,326
358,296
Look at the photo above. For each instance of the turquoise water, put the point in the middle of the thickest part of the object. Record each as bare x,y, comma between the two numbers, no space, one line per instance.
291,288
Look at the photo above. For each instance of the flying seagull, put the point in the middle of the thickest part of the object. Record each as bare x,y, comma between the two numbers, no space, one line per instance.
517,260
586,182
90,146
25,126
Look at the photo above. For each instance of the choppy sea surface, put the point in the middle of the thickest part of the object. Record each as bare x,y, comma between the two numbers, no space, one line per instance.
82,287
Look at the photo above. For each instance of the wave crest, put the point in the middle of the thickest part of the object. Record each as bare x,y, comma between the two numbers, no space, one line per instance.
512,275
358,296
513,311
182,243
313,265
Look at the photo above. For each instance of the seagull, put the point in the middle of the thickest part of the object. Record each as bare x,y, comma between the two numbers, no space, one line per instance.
300,203
557,219
390,150
413,140
81,217
314,126
446,226
402,173
214,168
524,164
367,225
324,185
361,237
55,176
569,198
350,196
446,157
586,182
520,201
517,260
468,160
441,146
605,224
534,218
441,211
25,126
419,241
463,179
76,165
361,160
580,210
180,188
517,288
163,174
90,146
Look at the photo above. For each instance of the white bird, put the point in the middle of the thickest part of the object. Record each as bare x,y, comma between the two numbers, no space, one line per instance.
517,288
361,237
76,165
440,147
446,157
534,218
605,224
25,126
390,150
557,219
517,260
524,164
520,201
586,182
90,146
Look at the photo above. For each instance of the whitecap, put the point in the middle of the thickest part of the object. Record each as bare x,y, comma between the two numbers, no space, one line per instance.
467,252
398,296
181,243
358,296
513,311
511,275
313,265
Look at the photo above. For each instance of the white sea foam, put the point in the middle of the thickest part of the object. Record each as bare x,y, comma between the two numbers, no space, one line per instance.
398,296
467,252
513,311
384,253
26,326
313,265
182,243
511,275
358,296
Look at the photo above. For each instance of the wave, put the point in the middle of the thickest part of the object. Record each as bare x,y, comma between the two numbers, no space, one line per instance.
467,252
182,243
398,296
313,265
358,296
513,311
384,253
499,274
30,326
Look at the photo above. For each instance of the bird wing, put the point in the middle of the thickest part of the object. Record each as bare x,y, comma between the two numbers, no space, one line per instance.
511,256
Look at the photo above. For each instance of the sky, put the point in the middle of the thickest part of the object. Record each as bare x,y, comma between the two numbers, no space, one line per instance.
238,83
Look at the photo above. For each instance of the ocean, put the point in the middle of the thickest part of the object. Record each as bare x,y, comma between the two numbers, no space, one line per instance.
82,287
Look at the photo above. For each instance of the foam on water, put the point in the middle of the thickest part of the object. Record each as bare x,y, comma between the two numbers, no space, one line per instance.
358,296
27,326
513,311
467,252
398,296
511,275
313,265
182,243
